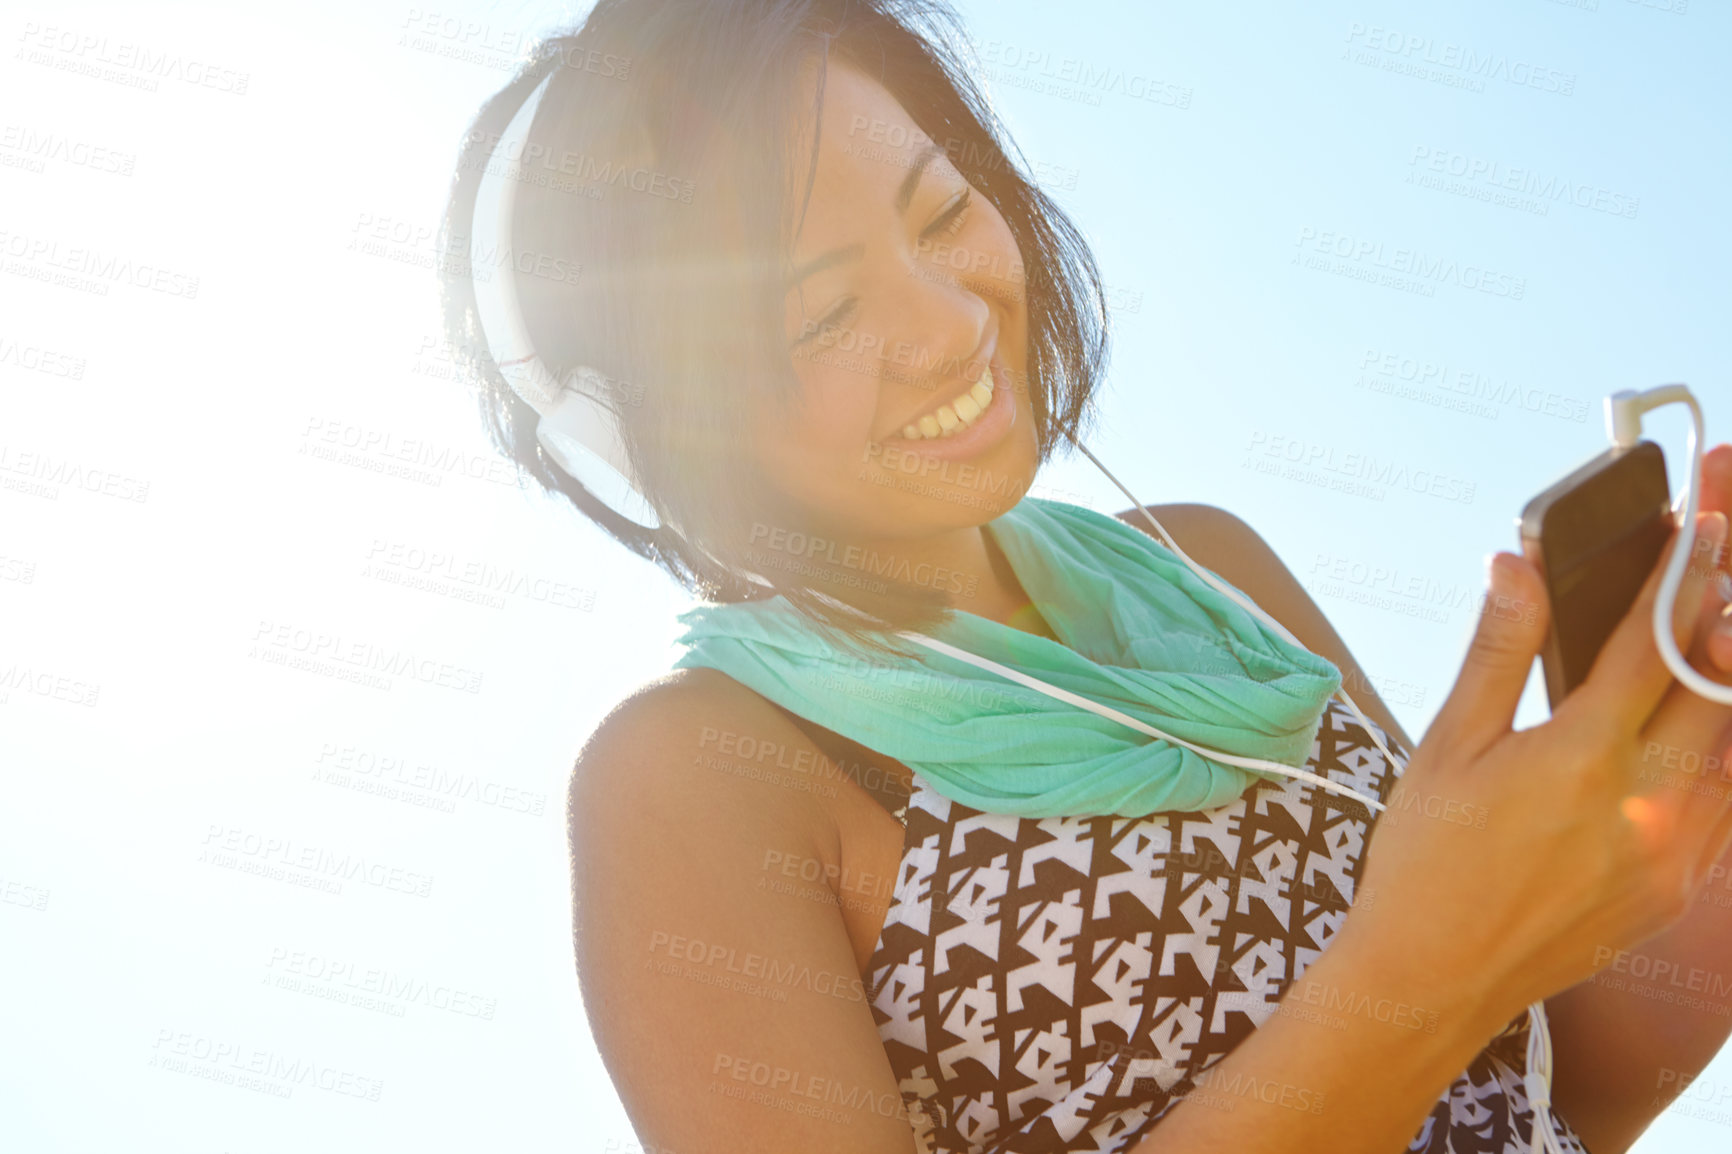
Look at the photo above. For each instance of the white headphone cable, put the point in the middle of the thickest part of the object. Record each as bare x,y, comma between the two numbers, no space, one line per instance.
1246,603
1149,730
1624,411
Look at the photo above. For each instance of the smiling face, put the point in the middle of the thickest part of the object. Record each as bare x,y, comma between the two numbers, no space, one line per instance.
907,330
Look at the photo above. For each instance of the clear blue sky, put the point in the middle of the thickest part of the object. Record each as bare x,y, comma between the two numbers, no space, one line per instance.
1299,208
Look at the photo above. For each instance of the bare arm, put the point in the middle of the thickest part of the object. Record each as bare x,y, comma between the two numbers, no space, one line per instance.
1626,1045
731,1017
1357,1054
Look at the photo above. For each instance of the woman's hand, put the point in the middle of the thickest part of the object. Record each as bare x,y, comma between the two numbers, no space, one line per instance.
1582,852
1617,1041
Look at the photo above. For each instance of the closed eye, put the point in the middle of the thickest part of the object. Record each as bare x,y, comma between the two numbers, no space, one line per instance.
950,220
836,316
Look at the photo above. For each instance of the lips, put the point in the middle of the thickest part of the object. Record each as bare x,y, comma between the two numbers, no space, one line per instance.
957,412
967,438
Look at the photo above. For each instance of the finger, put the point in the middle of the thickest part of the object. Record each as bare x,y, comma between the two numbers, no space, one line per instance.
1716,850
1512,626
1717,495
1716,488
1684,752
1696,612
1629,678
1696,797
1716,480
1720,639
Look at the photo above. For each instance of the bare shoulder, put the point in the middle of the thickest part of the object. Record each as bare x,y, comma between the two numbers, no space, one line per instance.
1220,542
668,755
701,977
1228,546
1208,527
660,716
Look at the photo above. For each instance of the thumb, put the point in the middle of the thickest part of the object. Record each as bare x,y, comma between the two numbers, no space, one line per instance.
1481,705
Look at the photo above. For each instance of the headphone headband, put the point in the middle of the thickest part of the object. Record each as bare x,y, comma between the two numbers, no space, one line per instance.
578,429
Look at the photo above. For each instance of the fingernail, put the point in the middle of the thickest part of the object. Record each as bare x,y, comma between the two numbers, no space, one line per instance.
1494,572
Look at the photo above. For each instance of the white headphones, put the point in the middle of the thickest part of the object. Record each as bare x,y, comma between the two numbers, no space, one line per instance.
580,432
577,429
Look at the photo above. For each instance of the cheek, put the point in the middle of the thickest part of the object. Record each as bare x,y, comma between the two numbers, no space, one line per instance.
827,431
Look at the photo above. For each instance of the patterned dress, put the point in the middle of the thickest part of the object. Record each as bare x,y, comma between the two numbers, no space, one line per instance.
1060,984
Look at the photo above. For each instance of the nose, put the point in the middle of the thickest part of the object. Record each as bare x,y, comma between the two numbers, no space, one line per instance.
942,321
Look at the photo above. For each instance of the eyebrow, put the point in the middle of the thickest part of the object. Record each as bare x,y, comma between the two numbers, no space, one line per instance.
904,195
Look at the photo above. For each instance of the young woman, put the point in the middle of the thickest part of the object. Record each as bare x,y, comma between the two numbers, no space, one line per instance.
835,893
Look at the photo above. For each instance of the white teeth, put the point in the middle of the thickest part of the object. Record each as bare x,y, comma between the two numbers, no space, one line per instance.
951,418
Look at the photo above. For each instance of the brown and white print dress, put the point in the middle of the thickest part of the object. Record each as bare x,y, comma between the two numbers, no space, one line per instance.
1059,984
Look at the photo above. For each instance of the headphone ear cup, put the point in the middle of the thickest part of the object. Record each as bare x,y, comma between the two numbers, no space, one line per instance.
581,434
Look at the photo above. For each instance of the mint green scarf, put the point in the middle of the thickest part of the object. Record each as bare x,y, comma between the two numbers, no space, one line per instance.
1141,633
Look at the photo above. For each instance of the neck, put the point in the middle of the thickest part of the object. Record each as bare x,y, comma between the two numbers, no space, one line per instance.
968,564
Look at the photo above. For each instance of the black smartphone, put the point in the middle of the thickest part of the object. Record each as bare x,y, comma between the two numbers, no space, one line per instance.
1596,536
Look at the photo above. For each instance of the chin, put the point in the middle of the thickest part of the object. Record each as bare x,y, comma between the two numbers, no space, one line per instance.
972,492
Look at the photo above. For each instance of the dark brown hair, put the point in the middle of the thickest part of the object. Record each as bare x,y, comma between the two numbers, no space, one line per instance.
662,175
